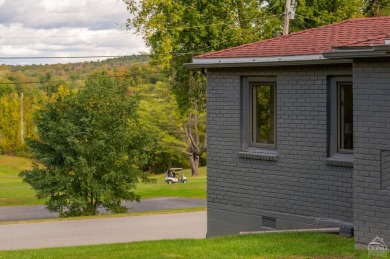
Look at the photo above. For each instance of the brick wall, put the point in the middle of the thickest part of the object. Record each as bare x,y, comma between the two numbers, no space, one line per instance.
300,189
371,149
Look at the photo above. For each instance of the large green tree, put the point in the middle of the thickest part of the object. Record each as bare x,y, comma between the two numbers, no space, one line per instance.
90,148
159,111
176,30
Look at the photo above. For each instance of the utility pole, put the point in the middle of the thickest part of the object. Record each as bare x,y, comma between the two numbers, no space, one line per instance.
289,14
21,119
287,17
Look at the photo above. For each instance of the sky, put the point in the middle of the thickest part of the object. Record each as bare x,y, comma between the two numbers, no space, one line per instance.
64,28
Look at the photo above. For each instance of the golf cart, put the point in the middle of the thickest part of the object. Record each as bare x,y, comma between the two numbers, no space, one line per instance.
172,175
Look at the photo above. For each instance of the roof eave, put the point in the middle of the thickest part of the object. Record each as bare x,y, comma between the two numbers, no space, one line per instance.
359,52
263,61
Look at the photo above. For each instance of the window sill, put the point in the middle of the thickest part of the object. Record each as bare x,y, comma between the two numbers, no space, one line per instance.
259,154
338,159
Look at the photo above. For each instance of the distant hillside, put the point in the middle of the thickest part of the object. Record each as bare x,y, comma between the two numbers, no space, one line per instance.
24,77
26,89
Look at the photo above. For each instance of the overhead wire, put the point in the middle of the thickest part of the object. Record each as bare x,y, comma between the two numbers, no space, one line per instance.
212,24
123,33
60,36
175,54
62,57
198,51
297,21
119,56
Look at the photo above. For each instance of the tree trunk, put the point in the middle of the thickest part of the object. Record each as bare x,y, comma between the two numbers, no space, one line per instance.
194,161
193,143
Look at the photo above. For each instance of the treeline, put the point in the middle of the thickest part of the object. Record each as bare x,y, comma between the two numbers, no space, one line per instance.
26,89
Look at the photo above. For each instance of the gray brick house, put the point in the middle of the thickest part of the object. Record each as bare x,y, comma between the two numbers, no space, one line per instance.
298,131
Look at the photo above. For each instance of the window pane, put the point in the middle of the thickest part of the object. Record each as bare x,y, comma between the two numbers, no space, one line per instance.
345,112
263,114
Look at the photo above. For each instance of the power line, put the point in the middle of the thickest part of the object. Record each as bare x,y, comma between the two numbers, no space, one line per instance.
113,56
61,57
108,34
118,56
297,21
219,23
60,36
177,54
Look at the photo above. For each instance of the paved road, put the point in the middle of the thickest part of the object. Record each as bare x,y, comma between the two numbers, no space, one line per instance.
16,213
103,231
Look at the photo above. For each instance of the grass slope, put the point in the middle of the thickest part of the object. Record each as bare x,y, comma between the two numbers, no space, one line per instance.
13,192
194,188
286,245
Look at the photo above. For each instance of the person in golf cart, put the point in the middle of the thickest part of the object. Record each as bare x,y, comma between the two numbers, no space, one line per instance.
172,176
170,173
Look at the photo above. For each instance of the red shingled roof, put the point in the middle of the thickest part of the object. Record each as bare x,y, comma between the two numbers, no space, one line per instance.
349,33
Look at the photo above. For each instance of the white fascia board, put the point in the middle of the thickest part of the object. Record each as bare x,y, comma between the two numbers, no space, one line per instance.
209,61
372,51
367,52
261,61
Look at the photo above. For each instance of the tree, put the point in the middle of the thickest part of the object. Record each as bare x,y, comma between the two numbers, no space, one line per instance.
16,119
196,141
49,84
91,146
10,123
5,87
176,30
314,13
376,7
159,112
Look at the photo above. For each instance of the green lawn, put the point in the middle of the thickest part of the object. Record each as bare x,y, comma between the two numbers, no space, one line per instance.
13,192
286,245
293,245
194,188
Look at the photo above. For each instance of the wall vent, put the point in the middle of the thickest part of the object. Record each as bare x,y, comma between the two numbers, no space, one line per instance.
269,223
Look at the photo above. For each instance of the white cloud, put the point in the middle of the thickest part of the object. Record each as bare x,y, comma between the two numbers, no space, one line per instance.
64,13
65,28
